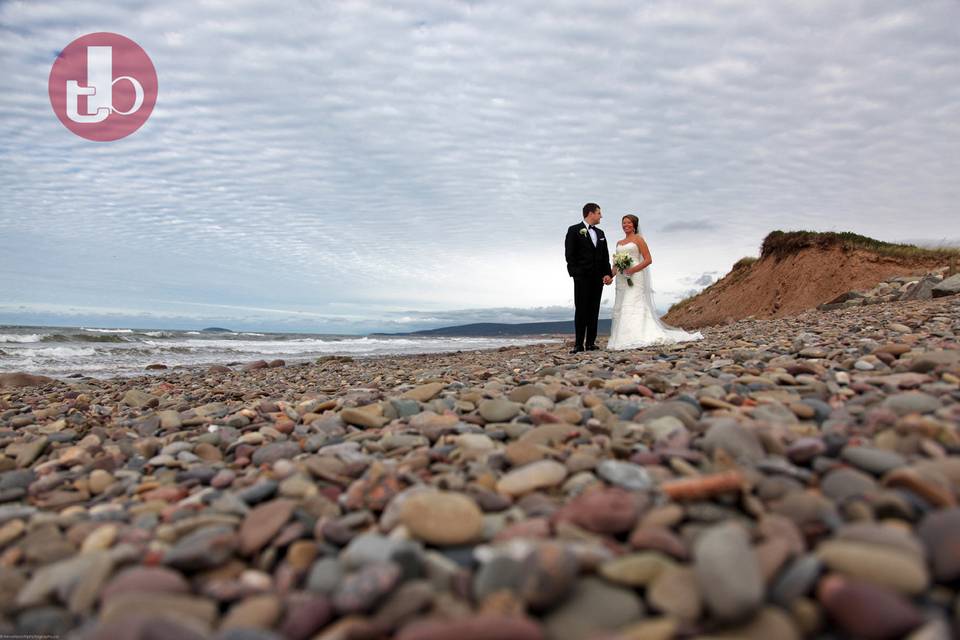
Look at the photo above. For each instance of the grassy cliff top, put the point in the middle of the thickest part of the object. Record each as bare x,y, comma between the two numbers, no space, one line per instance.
783,243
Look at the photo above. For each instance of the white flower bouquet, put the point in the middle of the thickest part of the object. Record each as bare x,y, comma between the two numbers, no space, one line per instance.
623,261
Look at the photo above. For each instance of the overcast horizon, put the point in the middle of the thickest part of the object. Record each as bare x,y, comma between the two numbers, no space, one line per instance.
351,167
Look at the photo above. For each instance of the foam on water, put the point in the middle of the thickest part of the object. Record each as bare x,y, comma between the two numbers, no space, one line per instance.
65,351
11,338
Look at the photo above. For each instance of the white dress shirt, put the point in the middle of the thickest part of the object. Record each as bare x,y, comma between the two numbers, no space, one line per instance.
593,234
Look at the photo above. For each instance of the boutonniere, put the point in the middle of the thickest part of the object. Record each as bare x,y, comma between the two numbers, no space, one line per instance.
583,232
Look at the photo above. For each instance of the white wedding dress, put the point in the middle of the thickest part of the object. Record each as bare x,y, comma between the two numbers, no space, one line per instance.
635,321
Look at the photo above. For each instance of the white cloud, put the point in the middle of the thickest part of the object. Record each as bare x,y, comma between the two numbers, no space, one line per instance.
430,155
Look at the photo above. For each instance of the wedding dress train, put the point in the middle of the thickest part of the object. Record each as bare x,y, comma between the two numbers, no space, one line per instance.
635,322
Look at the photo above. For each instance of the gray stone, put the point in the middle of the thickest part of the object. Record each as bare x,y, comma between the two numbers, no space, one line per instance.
247,633
796,580
61,576
498,409
259,492
949,287
45,622
205,548
734,438
775,414
911,402
844,484
625,474
821,410
405,408
593,607
872,460
938,531
270,453
372,547
139,399
31,451
930,360
500,573
10,512
325,575
17,479
922,290
728,572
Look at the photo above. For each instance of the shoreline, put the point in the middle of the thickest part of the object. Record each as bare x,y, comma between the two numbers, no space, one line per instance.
158,367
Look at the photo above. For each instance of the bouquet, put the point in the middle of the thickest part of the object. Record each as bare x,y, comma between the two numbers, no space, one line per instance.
623,261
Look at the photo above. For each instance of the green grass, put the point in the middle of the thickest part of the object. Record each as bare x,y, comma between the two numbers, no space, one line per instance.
783,243
743,263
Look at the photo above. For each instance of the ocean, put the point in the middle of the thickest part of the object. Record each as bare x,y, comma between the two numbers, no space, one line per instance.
108,352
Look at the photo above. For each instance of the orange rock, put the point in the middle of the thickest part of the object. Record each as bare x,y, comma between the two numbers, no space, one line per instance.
704,486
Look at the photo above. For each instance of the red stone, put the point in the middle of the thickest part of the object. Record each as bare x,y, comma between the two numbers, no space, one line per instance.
609,511
864,610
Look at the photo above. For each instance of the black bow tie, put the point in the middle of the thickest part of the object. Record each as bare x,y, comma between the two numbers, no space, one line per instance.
593,227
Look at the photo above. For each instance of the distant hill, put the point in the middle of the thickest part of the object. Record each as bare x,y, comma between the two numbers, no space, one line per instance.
799,270
216,330
489,329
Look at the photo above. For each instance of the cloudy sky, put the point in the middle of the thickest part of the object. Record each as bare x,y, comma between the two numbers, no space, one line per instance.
363,165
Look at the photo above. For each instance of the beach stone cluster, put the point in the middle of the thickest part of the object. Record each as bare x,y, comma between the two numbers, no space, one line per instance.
788,478
935,284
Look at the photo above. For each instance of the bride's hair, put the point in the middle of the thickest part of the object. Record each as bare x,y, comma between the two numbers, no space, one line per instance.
635,220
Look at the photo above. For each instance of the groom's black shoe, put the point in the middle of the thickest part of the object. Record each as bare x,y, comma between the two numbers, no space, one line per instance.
577,350
593,347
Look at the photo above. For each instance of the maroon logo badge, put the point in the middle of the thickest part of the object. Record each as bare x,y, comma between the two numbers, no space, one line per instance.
103,86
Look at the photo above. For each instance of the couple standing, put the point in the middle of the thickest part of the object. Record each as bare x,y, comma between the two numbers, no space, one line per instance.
635,322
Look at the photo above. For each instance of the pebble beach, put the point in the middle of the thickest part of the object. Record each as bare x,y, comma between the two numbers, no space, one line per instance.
786,478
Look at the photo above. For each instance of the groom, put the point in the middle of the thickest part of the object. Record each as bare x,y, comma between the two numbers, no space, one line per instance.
588,263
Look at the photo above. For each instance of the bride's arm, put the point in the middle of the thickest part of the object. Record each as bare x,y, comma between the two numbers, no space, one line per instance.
646,259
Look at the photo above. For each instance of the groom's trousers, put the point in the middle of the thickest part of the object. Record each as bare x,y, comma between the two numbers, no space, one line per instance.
586,301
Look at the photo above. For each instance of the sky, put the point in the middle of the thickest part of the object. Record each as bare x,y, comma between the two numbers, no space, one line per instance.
345,167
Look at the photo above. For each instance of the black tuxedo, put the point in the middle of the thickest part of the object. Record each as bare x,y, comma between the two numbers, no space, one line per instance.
587,265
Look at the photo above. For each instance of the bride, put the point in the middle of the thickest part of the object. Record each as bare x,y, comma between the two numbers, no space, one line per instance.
635,322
